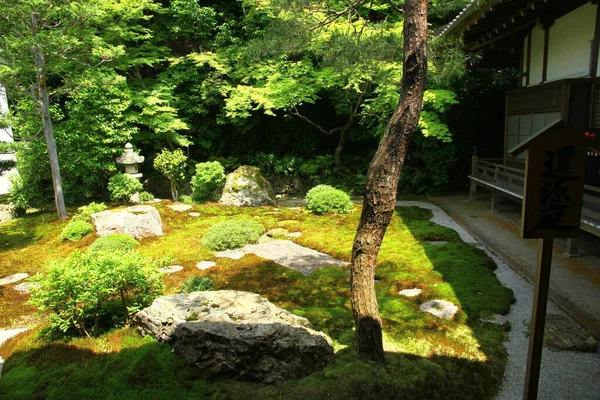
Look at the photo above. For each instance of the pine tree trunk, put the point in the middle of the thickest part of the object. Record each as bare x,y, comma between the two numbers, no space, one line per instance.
382,183
44,103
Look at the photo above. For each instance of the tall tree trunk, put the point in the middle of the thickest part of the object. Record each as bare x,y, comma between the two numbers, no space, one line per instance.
382,182
44,103
337,156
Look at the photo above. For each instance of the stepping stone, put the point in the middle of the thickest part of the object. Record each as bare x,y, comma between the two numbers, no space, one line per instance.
202,265
562,333
294,234
440,308
194,214
495,319
294,256
170,269
180,207
233,254
13,278
277,231
410,292
25,288
437,242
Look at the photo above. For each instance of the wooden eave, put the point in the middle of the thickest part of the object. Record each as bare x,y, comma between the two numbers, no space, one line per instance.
484,22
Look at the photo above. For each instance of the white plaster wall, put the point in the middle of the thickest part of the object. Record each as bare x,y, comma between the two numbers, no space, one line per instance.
537,55
569,43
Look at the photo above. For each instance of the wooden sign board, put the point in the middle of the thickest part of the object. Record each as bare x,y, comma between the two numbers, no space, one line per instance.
554,181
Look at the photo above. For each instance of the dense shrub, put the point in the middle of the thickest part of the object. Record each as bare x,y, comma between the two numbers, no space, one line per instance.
91,292
17,196
324,199
197,284
85,212
232,234
122,187
76,229
171,164
146,197
114,243
209,178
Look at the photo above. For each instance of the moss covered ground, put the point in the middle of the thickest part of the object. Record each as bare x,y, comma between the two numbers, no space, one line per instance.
426,357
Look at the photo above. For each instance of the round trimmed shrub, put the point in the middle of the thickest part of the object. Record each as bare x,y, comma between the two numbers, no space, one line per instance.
324,199
197,284
209,178
113,243
232,234
85,212
122,187
76,229
146,197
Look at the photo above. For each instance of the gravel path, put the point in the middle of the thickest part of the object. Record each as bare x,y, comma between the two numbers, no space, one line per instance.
564,375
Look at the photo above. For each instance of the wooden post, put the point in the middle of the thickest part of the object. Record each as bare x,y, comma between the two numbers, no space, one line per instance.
538,318
572,248
473,190
495,201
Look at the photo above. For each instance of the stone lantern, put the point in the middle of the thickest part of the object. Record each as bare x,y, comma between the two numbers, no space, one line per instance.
130,160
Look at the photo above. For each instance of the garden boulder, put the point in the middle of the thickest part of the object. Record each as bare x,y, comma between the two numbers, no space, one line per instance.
138,222
237,335
247,187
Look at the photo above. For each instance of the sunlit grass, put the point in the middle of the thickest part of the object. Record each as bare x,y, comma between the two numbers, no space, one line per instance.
460,353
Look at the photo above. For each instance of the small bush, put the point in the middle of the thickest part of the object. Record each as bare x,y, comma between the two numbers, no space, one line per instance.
16,195
209,178
232,234
114,243
122,187
75,230
172,164
197,284
92,292
85,212
324,199
146,197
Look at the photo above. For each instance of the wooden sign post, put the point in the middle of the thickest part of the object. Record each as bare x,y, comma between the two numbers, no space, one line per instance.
552,201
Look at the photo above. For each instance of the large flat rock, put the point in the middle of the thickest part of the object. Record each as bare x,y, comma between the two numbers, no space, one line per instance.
138,222
238,335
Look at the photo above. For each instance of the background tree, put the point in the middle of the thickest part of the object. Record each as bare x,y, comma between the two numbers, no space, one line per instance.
382,182
172,164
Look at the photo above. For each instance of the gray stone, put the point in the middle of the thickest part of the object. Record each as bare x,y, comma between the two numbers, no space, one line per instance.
202,265
194,214
437,242
495,319
294,234
233,254
277,232
13,278
562,333
440,308
410,292
292,255
171,269
237,335
6,212
180,207
138,222
247,187
25,288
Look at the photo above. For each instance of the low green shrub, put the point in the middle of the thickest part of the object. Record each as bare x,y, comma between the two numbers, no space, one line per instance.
76,229
197,284
232,234
16,195
114,243
146,197
209,178
122,187
88,293
85,212
323,199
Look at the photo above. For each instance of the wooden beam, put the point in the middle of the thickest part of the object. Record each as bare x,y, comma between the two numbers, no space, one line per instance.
528,59
595,44
545,57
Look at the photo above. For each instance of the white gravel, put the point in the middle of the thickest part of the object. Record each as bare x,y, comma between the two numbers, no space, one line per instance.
564,375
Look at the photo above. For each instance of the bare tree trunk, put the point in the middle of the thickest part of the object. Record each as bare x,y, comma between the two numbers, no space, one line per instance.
337,157
382,182
44,103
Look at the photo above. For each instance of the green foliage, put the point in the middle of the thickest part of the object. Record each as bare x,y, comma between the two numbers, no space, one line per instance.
17,196
75,230
324,199
172,164
91,292
197,284
122,187
85,212
146,197
207,181
232,234
113,243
